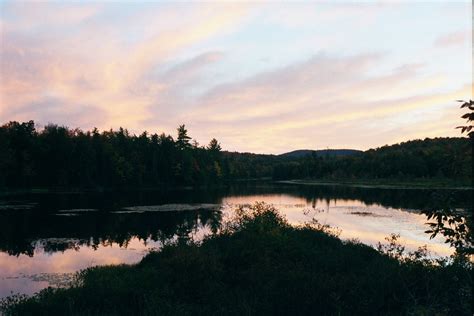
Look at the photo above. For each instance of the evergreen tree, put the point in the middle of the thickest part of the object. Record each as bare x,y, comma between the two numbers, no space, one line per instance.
183,141
214,146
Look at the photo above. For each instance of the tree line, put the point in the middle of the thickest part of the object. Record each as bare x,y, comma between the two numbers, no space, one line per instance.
438,158
57,156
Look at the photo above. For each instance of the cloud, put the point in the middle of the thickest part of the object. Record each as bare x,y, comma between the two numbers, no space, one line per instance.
63,111
286,89
34,16
454,39
83,67
188,69
301,14
154,66
316,103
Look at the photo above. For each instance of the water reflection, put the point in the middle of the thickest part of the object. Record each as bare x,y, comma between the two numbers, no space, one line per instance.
20,273
46,237
22,232
369,223
64,245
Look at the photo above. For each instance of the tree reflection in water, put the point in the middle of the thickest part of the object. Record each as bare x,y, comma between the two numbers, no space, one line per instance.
24,235
39,226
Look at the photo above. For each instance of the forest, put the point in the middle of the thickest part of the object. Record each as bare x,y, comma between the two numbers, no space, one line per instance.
60,157
438,158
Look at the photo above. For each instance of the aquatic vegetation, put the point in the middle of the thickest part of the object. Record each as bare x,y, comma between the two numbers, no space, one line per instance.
169,208
260,264
78,210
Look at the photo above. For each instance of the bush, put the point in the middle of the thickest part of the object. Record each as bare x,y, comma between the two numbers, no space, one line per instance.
259,264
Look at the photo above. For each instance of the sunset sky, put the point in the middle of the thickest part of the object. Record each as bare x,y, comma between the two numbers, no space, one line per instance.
264,77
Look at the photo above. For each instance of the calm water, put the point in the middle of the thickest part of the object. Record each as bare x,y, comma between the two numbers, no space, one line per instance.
45,238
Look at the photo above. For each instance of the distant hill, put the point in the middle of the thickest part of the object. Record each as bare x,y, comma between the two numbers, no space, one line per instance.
323,153
430,158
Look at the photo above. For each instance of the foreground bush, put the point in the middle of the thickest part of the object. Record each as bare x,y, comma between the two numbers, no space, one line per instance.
259,264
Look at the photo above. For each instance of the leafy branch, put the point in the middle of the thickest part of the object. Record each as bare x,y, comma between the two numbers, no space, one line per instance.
469,117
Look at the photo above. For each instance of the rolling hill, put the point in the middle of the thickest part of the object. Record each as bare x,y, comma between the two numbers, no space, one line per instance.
323,153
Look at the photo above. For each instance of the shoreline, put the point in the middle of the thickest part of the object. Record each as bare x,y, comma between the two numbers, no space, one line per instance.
379,185
367,184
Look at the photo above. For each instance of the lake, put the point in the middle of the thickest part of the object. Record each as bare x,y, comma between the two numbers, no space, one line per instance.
46,237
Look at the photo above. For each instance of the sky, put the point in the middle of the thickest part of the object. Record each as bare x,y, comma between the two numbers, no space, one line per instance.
263,77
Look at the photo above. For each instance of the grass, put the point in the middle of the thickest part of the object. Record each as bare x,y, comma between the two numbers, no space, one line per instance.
260,265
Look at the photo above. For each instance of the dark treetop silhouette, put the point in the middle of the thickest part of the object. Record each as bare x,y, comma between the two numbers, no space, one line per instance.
57,156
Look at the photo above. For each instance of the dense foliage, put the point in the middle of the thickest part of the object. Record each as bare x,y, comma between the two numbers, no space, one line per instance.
57,156
438,158
260,265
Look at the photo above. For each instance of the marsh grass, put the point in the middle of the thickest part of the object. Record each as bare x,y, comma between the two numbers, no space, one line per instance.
259,264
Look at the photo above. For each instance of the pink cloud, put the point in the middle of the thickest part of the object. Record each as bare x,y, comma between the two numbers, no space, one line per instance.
91,71
148,73
454,39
